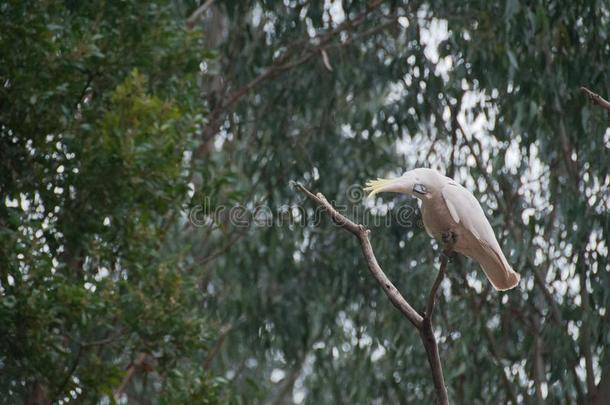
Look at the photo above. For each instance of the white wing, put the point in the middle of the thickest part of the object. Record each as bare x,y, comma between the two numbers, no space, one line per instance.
464,208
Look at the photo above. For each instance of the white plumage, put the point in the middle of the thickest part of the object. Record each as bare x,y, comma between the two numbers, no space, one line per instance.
451,213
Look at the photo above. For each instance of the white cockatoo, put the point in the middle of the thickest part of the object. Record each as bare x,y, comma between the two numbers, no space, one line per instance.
451,214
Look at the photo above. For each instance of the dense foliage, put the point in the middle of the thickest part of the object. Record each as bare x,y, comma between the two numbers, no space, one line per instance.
99,104
150,240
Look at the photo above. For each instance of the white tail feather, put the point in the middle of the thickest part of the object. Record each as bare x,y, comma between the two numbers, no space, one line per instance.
496,268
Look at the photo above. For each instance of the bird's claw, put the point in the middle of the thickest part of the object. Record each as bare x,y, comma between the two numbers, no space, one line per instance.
449,237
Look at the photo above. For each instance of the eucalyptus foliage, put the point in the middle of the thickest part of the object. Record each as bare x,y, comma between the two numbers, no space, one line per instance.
98,105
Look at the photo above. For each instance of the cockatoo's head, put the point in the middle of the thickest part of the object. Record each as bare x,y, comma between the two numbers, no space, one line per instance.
420,183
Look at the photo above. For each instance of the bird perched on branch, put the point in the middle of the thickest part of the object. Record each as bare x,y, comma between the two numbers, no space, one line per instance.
451,214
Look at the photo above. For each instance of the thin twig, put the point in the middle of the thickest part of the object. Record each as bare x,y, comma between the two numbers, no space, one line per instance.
83,93
437,283
585,329
596,98
196,15
548,296
70,373
104,341
129,375
221,251
222,335
539,374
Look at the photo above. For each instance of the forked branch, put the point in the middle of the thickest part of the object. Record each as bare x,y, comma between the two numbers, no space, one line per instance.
422,323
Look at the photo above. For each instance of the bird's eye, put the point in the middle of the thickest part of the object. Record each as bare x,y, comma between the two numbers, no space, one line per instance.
420,189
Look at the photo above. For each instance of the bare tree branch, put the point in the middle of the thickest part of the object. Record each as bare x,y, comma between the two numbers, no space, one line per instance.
585,329
539,373
196,15
437,283
221,251
422,323
140,360
71,371
555,313
596,98
222,335
429,340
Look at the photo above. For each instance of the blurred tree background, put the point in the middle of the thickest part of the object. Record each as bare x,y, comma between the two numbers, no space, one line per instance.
126,128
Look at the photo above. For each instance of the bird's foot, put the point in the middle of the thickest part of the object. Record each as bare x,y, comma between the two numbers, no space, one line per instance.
449,238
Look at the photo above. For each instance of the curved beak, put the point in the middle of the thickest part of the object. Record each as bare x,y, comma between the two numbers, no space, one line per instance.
383,185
